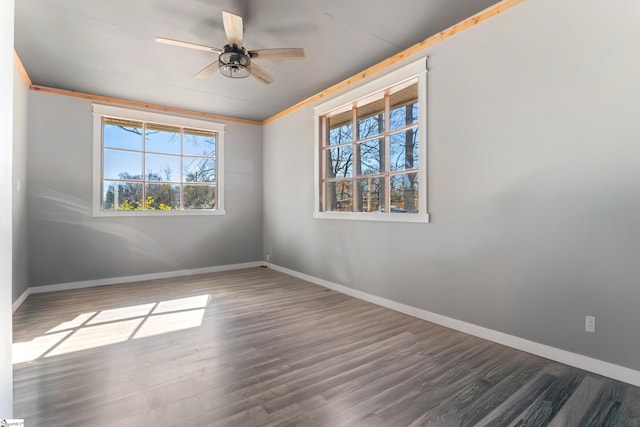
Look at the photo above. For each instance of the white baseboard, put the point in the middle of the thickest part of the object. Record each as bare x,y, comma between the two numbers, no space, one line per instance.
17,303
129,279
579,361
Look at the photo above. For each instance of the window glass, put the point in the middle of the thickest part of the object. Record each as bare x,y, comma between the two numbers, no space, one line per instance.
340,128
403,150
122,196
199,169
199,196
370,119
162,139
122,165
371,193
146,166
372,157
404,193
199,143
164,197
378,170
340,162
162,168
123,134
339,196
404,107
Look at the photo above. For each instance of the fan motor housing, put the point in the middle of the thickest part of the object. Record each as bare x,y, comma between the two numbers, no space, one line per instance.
234,62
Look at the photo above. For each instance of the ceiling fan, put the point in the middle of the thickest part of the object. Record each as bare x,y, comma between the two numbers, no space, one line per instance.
234,60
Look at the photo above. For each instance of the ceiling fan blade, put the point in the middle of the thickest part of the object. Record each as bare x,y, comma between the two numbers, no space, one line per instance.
233,28
208,70
189,45
283,53
260,73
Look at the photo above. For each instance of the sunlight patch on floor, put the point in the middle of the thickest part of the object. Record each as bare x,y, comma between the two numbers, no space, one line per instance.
96,336
164,323
113,326
30,350
189,303
122,313
72,324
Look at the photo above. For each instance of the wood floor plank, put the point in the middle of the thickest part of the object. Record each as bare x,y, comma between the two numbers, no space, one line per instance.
256,347
629,413
571,414
606,406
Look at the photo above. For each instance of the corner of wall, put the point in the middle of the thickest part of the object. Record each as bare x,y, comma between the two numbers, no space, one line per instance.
20,259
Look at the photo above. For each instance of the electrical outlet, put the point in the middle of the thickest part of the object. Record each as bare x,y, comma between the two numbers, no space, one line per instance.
590,323
268,257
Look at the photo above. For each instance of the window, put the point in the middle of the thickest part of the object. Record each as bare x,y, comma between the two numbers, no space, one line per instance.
155,164
371,150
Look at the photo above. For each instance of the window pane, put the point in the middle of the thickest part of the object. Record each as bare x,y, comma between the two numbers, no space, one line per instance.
199,143
404,107
371,154
199,196
162,197
370,195
404,193
122,165
122,196
123,134
340,128
199,169
162,168
370,119
340,162
339,196
404,150
162,139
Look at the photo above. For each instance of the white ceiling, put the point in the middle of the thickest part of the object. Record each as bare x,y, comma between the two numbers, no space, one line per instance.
108,47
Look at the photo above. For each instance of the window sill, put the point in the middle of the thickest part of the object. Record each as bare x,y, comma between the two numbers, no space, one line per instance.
374,216
138,214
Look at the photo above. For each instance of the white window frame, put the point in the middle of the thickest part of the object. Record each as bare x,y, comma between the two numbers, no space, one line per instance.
417,69
101,110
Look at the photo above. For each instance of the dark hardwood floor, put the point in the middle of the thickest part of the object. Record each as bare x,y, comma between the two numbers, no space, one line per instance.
259,348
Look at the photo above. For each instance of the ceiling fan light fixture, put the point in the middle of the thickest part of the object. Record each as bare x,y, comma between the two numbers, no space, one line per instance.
234,62
234,71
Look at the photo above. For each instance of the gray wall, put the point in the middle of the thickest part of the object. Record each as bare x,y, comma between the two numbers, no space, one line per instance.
67,244
6,143
19,218
534,185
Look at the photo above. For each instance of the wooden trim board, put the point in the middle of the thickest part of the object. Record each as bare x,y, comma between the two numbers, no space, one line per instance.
600,367
124,102
436,38
479,17
142,105
23,72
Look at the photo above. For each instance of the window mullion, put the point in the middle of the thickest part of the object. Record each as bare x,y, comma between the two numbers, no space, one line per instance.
181,172
115,193
216,200
323,164
144,166
387,153
124,151
355,191
375,180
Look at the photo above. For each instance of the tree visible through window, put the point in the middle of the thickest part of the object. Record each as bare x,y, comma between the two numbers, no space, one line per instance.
156,167
369,154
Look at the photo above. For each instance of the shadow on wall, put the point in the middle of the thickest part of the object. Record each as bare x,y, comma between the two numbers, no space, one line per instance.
62,208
